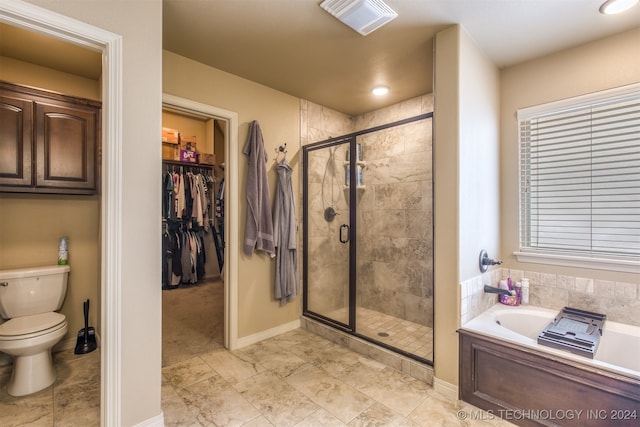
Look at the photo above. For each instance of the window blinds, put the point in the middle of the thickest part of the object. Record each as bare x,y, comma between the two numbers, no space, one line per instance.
580,175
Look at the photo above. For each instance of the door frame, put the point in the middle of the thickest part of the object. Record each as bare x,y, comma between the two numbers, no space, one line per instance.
43,21
230,205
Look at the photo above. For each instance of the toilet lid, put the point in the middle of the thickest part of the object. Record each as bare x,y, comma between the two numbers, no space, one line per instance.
30,324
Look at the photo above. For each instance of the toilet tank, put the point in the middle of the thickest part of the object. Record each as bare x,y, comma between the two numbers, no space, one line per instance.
28,291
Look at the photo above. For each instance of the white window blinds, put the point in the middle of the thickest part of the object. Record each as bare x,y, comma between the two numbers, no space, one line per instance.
580,175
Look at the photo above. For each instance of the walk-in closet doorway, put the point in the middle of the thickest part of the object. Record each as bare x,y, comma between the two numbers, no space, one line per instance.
207,294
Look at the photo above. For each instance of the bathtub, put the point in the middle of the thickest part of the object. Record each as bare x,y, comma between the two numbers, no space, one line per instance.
505,371
619,349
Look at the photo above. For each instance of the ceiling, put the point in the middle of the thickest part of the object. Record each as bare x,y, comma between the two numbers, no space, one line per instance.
296,47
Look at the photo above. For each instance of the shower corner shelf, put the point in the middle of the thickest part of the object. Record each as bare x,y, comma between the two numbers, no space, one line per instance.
358,187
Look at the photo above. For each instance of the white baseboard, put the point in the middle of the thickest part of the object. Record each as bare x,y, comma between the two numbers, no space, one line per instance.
157,421
269,333
446,389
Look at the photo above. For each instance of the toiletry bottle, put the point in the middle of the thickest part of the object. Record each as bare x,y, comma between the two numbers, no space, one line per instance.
63,251
518,286
347,175
359,175
525,291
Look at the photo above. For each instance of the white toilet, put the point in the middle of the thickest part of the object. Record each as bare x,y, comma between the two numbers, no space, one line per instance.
29,298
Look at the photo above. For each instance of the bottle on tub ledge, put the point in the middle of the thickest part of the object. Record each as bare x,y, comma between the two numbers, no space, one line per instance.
525,292
63,251
518,287
512,299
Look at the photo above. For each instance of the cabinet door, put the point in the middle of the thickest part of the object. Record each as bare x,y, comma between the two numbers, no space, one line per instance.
66,146
15,140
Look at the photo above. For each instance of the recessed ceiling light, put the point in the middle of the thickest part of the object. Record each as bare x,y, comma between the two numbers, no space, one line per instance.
611,7
380,90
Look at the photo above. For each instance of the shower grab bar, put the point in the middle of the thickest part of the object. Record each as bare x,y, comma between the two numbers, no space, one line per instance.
344,227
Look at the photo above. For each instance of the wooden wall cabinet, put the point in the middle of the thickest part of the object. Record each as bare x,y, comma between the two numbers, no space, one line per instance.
49,143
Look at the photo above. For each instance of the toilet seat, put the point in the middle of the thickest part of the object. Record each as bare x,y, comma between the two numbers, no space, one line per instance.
21,328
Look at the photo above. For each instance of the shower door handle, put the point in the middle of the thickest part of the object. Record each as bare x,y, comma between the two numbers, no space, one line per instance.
344,227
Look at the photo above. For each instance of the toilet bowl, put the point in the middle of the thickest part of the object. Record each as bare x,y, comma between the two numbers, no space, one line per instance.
28,298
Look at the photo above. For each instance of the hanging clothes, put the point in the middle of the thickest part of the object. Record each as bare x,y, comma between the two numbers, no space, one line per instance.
171,263
185,211
258,232
168,199
285,236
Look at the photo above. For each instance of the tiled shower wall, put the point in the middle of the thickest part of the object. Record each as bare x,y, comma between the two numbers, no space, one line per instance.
394,211
395,225
620,301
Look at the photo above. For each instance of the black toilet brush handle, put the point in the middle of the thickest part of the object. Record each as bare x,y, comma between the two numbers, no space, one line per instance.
86,321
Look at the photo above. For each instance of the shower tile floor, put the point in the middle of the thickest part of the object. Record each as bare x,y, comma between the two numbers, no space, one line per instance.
402,334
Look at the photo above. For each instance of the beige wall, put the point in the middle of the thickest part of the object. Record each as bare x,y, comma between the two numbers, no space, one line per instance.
279,118
189,127
31,224
466,192
446,224
603,64
24,73
140,312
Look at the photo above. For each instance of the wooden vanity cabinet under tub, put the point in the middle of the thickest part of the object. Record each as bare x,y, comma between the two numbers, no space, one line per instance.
49,143
531,388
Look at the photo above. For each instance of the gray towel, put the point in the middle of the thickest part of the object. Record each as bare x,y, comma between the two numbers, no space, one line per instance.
258,231
285,237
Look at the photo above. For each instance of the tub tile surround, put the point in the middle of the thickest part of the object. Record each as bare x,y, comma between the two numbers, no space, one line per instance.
620,301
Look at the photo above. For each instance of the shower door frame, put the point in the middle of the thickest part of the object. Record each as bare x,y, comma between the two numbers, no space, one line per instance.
350,328
332,142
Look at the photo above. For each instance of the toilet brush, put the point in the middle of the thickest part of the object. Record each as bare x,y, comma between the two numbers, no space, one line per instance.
86,341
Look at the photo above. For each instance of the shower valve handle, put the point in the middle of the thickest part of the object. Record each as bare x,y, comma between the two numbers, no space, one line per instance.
344,238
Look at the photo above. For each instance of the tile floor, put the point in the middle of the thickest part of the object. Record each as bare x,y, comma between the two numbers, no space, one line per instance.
301,379
73,400
295,379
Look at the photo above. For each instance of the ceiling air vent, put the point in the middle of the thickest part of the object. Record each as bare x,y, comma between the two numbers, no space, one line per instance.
364,16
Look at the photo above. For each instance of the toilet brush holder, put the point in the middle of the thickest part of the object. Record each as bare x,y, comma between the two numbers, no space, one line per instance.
86,341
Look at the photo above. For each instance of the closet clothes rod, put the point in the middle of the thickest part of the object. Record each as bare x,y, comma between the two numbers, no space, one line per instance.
181,167
186,165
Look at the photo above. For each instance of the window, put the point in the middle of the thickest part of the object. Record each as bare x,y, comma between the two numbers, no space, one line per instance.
580,176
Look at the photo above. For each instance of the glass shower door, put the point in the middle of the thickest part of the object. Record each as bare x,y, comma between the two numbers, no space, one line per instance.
368,235
327,233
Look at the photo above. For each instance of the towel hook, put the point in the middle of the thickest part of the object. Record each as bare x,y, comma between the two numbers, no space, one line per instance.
281,149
